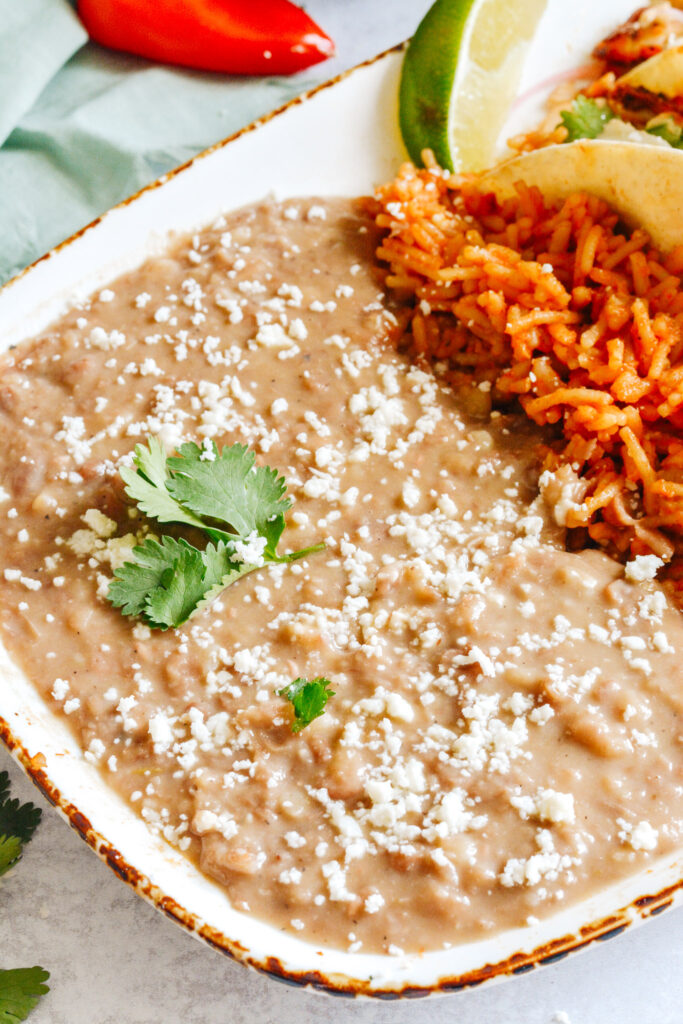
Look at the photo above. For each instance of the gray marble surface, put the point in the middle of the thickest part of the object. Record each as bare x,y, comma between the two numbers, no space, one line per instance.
115,960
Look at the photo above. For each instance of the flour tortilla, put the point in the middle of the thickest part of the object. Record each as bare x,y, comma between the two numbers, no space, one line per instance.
643,183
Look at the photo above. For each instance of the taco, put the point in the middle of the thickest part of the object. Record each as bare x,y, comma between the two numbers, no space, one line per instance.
634,90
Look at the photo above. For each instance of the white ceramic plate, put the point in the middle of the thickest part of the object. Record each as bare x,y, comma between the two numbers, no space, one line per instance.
341,139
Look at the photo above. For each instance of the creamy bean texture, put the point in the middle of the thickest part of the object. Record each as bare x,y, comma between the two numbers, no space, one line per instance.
505,733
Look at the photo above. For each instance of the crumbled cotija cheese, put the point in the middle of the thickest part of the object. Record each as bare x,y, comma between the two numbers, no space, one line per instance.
491,690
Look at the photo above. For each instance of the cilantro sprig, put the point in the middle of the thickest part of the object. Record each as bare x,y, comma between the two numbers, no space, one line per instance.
21,988
20,991
238,506
308,698
585,119
18,822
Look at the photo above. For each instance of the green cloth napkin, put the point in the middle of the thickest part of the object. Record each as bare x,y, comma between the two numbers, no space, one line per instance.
36,38
83,127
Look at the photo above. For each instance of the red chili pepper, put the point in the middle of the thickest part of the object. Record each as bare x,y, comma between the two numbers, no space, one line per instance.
242,37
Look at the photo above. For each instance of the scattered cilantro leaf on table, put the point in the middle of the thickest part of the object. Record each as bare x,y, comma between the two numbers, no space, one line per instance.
585,119
21,988
308,698
18,822
10,852
238,506
20,991
18,819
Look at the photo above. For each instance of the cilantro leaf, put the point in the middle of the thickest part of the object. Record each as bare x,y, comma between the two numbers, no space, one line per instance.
147,485
10,852
223,567
169,580
180,589
231,489
20,991
221,571
586,119
178,592
220,561
668,130
134,581
19,820
308,698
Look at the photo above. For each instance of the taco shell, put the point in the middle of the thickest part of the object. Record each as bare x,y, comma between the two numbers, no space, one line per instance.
643,183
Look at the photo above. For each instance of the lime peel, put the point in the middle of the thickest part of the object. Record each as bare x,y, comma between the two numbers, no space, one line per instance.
460,75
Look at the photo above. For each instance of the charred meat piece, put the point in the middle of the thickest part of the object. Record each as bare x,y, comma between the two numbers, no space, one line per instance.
648,31
639,106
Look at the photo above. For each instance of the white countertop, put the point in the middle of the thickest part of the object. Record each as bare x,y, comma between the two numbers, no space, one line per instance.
115,960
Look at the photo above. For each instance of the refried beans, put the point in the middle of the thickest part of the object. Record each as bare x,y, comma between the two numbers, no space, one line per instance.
505,734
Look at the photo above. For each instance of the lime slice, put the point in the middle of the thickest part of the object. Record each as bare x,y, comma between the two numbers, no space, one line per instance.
460,75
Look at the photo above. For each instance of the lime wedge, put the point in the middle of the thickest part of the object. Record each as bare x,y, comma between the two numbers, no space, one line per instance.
460,75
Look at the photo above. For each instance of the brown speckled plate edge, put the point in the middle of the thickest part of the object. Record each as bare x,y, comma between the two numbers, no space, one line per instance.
642,908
